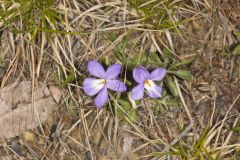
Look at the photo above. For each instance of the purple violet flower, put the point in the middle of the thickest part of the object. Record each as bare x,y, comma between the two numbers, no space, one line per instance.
107,80
146,81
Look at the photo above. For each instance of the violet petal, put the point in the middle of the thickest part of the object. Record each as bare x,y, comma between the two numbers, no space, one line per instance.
140,74
158,74
137,92
96,69
101,98
116,85
113,71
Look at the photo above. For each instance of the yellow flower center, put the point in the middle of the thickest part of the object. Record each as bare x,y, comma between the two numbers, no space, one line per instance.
103,81
147,83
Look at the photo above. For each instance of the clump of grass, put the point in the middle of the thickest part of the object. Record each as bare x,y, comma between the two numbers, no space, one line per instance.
157,14
23,16
33,16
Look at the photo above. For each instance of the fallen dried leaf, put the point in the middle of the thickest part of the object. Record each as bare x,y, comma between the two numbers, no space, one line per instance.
56,93
17,112
29,136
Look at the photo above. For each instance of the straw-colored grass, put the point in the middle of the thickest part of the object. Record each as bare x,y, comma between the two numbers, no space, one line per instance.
52,41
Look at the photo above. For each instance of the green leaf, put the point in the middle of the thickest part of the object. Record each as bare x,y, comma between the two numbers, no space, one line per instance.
186,62
171,102
154,58
132,115
107,61
112,36
224,53
122,108
236,129
167,55
168,101
237,34
34,33
159,109
143,58
184,74
172,86
236,50
70,78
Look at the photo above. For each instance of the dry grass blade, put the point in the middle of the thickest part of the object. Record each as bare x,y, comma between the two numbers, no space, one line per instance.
184,104
223,121
52,41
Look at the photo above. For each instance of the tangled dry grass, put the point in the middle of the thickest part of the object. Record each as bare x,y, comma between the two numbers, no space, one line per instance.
53,44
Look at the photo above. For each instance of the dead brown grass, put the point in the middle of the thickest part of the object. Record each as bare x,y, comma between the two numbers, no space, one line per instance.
77,130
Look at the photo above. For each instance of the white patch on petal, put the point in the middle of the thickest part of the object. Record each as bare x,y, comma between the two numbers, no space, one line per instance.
98,83
149,85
